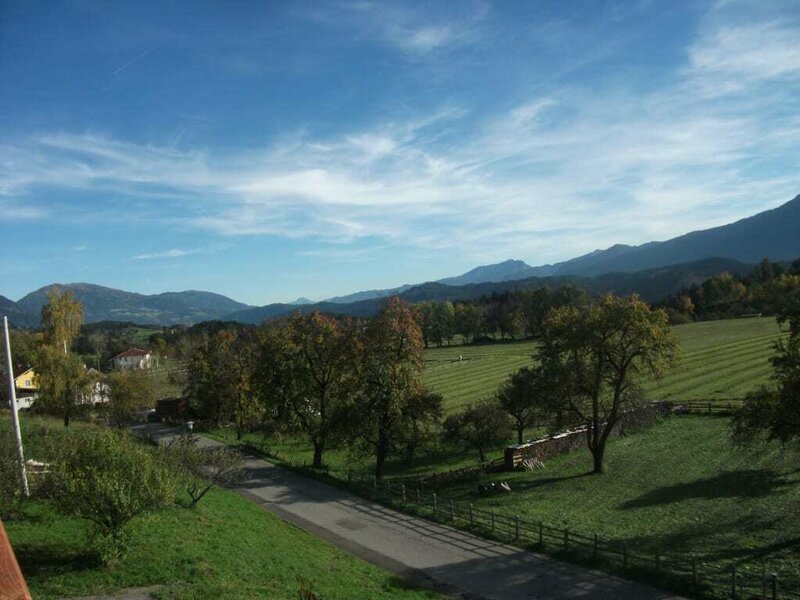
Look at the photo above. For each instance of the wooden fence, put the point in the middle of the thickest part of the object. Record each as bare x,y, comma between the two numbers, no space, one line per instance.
683,572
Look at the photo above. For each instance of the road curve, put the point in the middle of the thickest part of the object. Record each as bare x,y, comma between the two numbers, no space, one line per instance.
442,558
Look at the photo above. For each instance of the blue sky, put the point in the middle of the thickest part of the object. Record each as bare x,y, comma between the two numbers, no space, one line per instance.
268,150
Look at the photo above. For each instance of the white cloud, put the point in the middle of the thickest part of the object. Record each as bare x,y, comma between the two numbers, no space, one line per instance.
558,173
173,253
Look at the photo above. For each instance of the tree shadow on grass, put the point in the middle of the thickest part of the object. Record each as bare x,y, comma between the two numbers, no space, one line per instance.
745,483
39,559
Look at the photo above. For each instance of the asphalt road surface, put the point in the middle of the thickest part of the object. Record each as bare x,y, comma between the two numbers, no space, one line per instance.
447,560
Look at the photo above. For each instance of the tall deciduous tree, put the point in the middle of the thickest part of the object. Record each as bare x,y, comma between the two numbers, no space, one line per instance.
526,396
319,358
62,317
219,379
773,412
595,355
60,375
128,391
390,362
482,427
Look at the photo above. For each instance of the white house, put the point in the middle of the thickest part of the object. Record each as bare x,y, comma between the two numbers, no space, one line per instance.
133,358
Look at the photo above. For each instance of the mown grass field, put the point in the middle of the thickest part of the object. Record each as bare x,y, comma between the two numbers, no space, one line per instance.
226,547
679,487
719,360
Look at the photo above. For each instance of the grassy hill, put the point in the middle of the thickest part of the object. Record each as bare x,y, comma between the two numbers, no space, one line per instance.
720,360
679,488
227,547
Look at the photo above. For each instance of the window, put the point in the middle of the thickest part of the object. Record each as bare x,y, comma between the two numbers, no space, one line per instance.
27,383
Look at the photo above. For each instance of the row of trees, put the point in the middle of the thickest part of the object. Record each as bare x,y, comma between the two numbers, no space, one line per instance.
510,314
773,411
330,380
726,295
342,381
589,364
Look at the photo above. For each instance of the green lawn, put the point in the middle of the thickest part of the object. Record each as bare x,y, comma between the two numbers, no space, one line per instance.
679,487
227,547
720,360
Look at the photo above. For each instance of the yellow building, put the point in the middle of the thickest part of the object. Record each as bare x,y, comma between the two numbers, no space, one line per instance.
26,382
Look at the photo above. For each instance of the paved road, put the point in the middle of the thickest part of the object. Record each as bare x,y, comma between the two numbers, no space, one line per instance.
432,555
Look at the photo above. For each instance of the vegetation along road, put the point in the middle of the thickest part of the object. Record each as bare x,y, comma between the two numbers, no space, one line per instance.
449,560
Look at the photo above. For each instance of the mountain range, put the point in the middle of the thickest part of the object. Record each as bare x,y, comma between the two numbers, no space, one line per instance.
654,270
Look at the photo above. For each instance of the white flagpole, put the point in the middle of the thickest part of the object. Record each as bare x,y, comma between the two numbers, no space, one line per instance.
12,400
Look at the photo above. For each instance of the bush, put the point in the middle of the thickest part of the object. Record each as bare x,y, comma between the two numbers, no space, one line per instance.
9,474
200,469
108,478
483,427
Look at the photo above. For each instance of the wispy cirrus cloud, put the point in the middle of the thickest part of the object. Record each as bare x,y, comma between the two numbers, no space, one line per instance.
172,253
560,171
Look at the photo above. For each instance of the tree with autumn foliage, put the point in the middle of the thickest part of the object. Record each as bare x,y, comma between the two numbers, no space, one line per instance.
319,351
219,384
595,356
60,374
389,363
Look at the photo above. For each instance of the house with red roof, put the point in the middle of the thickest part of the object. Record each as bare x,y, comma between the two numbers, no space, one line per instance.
133,358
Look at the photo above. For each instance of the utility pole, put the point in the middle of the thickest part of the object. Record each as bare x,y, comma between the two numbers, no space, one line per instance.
12,400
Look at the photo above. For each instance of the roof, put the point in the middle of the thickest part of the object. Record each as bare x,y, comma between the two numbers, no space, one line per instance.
25,372
14,587
132,352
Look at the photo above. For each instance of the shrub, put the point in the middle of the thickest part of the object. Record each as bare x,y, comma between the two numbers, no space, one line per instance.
108,478
200,469
9,474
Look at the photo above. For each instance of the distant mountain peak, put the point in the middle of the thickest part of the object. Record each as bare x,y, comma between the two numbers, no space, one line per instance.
302,300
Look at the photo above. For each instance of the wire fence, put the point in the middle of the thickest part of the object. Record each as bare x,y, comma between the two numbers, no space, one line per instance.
684,572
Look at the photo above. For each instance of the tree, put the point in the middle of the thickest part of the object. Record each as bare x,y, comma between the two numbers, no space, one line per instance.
526,397
389,362
62,317
60,375
421,417
595,356
773,412
62,379
128,391
108,478
201,469
319,358
219,378
469,319
482,427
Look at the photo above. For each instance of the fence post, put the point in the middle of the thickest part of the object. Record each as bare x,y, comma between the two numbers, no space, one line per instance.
374,483
709,408
541,533
435,503
594,549
452,512
471,515
516,527
624,555
566,538
694,570
419,496
493,519
403,491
